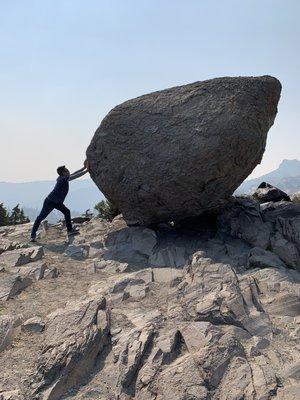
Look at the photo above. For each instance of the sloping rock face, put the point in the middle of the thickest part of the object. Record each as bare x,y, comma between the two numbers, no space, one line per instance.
7,325
276,227
74,338
173,313
183,151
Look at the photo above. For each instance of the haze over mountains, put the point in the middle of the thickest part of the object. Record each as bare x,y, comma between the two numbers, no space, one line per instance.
84,194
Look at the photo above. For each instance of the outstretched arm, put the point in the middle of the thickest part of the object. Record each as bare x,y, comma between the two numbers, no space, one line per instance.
77,174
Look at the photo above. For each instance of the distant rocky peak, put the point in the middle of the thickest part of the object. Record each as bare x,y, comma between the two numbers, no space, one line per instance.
290,167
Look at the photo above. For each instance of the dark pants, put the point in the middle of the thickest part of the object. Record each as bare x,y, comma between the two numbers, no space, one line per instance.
49,206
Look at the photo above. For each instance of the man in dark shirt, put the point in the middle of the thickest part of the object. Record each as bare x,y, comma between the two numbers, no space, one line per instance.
55,199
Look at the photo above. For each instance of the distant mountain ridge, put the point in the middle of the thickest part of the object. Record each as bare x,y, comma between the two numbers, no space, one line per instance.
83,195
286,177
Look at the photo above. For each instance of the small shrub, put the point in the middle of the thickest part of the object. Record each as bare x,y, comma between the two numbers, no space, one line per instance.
106,210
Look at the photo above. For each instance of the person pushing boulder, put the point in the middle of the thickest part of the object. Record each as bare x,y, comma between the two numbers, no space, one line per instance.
55,199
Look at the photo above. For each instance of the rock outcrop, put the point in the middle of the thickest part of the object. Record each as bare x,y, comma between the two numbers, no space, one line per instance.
266,192
179,312
16,258
183,151
74,338
7,327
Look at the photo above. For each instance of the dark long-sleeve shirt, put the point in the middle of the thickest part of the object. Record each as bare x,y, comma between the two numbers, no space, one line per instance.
61,187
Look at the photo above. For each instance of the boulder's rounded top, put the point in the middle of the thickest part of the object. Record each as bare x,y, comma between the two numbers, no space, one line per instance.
265,82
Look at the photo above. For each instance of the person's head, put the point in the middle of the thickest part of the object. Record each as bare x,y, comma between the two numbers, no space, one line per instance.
63,171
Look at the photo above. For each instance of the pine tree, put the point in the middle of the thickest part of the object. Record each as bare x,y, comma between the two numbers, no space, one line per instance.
23,218
17,216
3,215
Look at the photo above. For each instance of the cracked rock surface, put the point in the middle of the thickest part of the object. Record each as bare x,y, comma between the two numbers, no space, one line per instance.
171,313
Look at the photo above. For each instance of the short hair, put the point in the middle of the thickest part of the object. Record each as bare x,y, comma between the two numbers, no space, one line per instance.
60,170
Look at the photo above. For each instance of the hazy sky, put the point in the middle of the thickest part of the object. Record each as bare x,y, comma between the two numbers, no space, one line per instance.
65,63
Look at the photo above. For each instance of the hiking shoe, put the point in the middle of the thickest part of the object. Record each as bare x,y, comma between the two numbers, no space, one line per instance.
32,240
73,232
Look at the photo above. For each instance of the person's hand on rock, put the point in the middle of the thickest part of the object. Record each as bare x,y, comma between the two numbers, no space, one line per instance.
86,164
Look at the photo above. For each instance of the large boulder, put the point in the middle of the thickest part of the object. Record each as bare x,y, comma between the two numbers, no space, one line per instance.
181,152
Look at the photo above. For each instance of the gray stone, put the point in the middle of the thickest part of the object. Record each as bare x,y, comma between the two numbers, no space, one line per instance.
291,392
136,292
77,251
274,286
37,253
286,250
15,258
5,245
132,354
295,335
286,304
242,218
258,344
12,285
34,325
132,245
195,335
74,338
37,271
145,274
167,275
162,154
171,256
109,266
96,249
274,227
169,374
50,273
285,210
11,395
264,378
115,299
259,258
7,325
34,271
122,283
293,371
286,241
242,388
162,352
215,294
266,193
